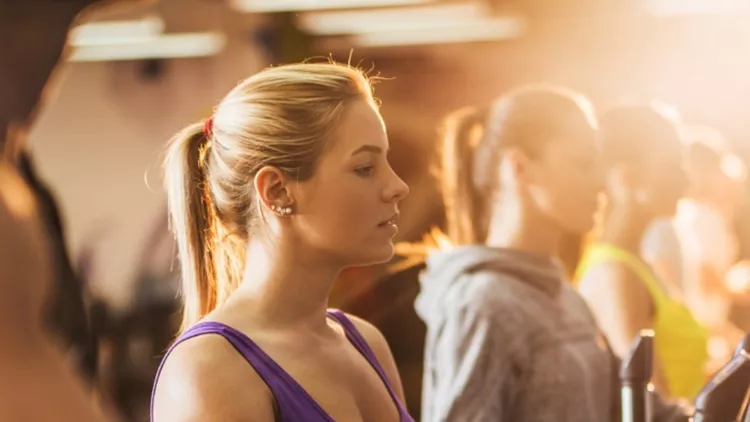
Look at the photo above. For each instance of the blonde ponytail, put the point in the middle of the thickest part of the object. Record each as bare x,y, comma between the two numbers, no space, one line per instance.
192,221
462,131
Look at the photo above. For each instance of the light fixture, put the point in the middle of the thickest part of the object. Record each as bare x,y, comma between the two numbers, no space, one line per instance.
114,32
386,20
168,46
486,30
268,6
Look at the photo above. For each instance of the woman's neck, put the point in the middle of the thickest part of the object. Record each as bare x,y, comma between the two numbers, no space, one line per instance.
512,229
624,228
287,288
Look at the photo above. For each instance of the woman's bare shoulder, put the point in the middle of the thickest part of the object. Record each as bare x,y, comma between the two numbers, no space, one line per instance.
616,278
206,379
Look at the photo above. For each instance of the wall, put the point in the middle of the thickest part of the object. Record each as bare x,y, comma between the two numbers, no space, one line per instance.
99,144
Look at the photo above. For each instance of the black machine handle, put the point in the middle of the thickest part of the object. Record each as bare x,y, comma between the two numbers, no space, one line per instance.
635,379
725,397
743,346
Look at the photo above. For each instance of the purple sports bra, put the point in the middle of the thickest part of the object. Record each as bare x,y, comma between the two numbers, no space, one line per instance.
294,404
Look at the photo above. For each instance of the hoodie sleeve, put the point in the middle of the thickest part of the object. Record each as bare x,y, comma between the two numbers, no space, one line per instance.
468,377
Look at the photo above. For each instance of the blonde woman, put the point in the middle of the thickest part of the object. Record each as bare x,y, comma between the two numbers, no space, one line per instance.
284,187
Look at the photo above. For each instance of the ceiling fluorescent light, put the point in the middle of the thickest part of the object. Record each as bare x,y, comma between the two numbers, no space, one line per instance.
488,30
667,8
170,46
400,19
110,32
300,5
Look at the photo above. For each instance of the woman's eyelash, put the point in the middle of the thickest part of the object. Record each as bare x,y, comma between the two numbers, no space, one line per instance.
365,171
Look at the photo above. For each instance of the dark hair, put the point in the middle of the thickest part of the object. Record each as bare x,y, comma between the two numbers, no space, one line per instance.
527,118
628,133
36,32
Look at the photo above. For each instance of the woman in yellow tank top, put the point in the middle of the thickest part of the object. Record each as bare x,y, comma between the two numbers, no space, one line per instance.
643,154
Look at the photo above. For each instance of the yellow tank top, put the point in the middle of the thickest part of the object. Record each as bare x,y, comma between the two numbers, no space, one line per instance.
681,342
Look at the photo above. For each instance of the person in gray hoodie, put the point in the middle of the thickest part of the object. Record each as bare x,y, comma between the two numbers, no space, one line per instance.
507,338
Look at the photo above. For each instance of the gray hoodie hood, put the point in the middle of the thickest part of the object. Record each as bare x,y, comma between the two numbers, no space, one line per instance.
509,340
445,267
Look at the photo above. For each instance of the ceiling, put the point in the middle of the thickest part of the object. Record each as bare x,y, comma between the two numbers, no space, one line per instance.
197,28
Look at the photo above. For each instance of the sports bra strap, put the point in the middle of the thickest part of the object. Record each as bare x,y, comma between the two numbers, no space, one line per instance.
602,252
356,338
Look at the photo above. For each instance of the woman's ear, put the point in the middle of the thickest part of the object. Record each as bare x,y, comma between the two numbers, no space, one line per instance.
618,185
273,189
513,165
624,185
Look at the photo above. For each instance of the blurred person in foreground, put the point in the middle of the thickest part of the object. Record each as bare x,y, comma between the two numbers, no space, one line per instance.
67,313
643,154
38,383
270,199
508,338
696,248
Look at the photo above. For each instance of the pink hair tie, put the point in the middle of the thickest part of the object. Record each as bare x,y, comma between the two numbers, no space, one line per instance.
208,127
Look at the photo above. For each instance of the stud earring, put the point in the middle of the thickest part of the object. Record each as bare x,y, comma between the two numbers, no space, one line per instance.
281,210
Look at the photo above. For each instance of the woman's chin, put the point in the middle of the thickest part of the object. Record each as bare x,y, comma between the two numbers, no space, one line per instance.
581,227
379,254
